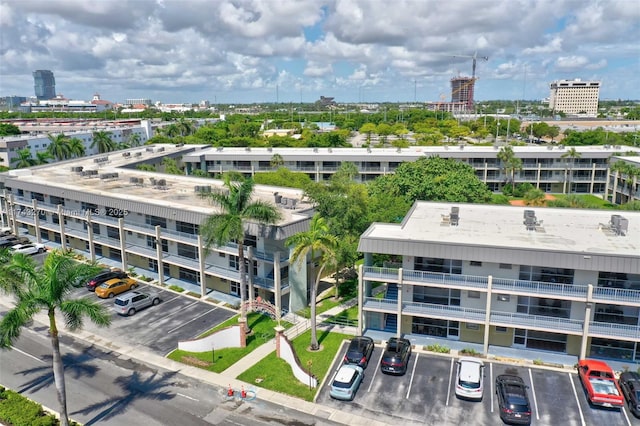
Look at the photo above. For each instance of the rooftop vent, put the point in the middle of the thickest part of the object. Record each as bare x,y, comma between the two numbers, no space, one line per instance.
202,189
126,154
109,176
76,169
530,221
136,181
138,154
454,216
149,149
161,149
619,224
101,160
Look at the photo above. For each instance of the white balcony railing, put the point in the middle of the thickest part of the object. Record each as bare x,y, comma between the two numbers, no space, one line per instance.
508,319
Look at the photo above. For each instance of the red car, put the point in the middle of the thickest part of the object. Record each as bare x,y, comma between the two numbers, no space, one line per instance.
600,383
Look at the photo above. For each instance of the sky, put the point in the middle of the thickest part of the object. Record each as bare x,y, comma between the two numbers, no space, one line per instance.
290,51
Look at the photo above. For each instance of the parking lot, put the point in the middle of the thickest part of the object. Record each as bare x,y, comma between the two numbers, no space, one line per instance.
159,328
425,395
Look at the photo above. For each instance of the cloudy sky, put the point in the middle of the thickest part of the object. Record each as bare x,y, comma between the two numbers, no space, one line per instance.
245,51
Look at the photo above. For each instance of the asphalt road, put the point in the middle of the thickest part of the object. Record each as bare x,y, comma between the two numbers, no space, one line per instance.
425,395
108,389
158,328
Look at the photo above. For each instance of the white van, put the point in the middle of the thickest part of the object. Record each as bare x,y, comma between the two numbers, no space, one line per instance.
470,378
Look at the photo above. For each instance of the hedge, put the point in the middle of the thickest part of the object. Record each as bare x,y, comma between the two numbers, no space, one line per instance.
17,410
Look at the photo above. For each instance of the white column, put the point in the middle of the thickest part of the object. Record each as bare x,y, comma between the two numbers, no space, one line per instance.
36,220
123,244
399,312
201,259
92,249
487,316
587,319
360,300
159,255
63,238
277,285
249,271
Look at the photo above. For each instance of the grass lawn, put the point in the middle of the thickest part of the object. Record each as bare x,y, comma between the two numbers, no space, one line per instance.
590,201
347,291
347,316
276,374
262,331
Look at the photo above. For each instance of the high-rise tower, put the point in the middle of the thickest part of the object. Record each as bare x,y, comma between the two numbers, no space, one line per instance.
44,84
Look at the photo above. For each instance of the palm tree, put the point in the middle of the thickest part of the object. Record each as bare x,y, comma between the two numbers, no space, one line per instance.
510,163
236,209
276,161
103,141
76,147
24,159
43,157
317,241
185,127
59,146
134,139
572,154
46,288
630,171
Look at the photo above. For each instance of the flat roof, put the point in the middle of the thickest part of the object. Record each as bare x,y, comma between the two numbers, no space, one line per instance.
179,192
584,231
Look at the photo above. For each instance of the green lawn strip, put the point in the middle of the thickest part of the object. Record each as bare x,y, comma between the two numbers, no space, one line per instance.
350,314
590,201
347,291
275,374
262,328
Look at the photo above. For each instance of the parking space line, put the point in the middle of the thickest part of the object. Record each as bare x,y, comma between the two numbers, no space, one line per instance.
375,371
180,310
626,416
533,391
413,372
491,379
190,321
172,299
450,378
575,393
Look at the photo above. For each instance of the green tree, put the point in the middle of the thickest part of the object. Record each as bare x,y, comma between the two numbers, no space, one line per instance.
534,197
571,154
76,147
384,130
134,139
368,129
171,166
23,159
59,146
228,224
43,157
8,129
630,172
103,141
510,163
276,161
316,242
47,288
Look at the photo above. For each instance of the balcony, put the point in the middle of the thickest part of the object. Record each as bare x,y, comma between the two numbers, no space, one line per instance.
616,295
383,305
459,281
608,330
539,322
376,273
269,283
448,312
564,291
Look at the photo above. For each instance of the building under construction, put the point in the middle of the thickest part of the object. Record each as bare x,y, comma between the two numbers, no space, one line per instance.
462,91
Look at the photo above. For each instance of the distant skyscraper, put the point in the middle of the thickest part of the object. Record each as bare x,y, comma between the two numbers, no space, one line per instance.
44,84
575,97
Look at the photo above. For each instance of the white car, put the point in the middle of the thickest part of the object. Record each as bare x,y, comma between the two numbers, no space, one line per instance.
469,378
32,248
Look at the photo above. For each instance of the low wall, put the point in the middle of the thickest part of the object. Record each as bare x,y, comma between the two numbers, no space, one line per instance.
288,354
229,337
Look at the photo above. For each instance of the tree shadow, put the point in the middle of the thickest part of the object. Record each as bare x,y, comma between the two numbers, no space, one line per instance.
257,319
75,365
133,387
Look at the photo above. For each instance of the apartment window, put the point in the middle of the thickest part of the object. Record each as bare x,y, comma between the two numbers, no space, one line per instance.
20,193
543,306
501,329
113,232
435,327
187,251
504,298
153,265
96,228
114,254
37,196
447,266
438,296
233,263
473,294
234,288
250,241
505,266
619,280
56,200
547,275
222,254
475,263
471,326
151,242
187,228
155,221
188,275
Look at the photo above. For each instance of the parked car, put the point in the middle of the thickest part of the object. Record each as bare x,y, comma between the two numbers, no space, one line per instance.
105,275
12,240
5,231
346,382
359,351
600,383
513,401
115,286
395,358
469,378
129,303
31,248
629,382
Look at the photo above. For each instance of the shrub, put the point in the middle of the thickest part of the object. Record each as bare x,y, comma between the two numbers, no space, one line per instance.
538,361
438,348
175,288
470,352
17,410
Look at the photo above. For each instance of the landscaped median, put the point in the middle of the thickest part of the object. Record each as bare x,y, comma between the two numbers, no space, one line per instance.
18,410
275,374
262,330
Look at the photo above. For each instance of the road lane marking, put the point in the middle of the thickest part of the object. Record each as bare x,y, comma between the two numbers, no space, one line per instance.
450,378
491,379
533,391
187,396
190,321
413,372
575,393
375,371
28,354
626,416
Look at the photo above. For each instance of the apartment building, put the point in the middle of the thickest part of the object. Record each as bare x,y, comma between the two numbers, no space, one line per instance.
624,187
559,280
546,167
105,208
575,97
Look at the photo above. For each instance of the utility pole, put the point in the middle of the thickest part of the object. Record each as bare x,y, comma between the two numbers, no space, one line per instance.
497,128
415,91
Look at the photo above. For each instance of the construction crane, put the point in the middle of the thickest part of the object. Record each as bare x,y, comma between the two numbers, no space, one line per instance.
475,58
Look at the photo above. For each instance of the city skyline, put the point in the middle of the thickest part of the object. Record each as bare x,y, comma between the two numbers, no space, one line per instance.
296,51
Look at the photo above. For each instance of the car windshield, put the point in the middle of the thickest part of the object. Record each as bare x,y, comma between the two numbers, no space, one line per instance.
519,408
104,285
469,385
121,302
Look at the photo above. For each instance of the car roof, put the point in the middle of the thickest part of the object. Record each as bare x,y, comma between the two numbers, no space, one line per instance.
346,373
129,295
470,369
510,379
114,280
594,364
630,375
